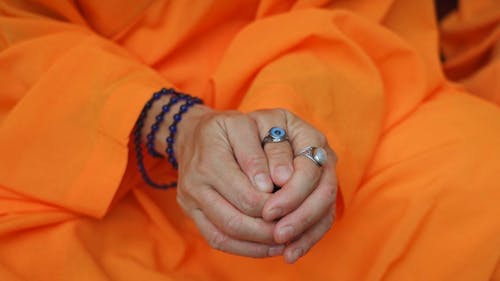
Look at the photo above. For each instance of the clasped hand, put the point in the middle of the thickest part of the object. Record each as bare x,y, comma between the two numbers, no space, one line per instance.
226,178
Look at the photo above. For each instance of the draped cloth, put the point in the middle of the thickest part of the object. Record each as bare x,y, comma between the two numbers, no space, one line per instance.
418,140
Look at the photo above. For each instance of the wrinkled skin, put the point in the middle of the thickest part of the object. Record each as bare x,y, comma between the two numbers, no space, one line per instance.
226,180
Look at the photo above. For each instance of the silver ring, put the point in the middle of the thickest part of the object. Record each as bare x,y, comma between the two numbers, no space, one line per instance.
275,134
317,154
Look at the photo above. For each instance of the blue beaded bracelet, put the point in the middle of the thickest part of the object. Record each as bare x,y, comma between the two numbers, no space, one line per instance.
140,124
150,143
173,129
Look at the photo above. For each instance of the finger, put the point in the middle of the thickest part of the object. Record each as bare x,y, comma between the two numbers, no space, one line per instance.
235,187
306,172
245,141
217,166
304,243
279,155
231,221
294,192
220,241
311,210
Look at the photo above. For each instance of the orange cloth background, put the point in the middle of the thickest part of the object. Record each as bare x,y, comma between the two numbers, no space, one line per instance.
419,156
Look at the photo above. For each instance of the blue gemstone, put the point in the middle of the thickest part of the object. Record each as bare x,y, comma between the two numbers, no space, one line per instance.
183,108
277,132
155,127
157,95
170,150
177,117
159,118
170,140
165,108
173,129
174,100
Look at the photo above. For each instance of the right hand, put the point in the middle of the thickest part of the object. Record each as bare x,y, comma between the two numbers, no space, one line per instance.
215,192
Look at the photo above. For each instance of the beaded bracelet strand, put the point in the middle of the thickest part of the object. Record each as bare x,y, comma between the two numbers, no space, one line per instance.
140,124
150,143
173,129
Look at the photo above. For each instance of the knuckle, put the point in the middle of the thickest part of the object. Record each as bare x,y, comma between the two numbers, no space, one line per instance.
329,194
249,203
278,153
253,162
284,112
217,240
232,225
321,139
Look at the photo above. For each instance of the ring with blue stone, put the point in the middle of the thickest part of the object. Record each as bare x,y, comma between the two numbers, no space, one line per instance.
275,134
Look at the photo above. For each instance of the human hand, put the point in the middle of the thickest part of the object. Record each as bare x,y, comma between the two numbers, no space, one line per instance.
224,149
304,206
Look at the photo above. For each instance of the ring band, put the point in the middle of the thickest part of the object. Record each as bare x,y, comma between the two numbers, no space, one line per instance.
317,154
275,134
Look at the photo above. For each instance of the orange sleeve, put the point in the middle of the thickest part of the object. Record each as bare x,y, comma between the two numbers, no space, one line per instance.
68,102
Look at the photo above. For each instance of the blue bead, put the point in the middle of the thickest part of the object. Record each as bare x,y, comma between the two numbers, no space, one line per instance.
191,101
177,117
172,160
159,118
157,95
155,127
170,150
172,129
150,137
174,100
170,140
163,91
183,108
165,108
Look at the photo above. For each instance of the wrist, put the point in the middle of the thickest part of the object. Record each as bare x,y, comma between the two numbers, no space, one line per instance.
187,127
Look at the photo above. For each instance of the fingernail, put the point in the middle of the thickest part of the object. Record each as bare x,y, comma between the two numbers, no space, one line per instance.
283,173
296,254
275,213
285,233
276,251
263,182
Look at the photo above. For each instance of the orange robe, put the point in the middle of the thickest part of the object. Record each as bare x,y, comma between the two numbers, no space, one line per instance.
419,156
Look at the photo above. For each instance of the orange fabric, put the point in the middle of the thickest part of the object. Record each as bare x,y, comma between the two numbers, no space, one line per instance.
418,156
471,46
